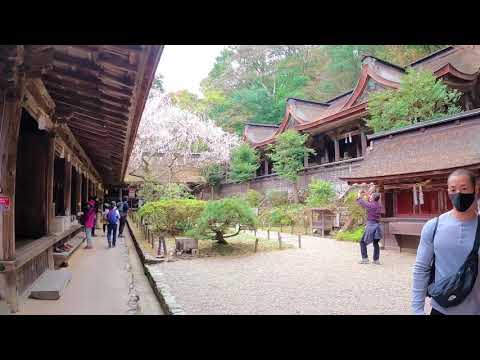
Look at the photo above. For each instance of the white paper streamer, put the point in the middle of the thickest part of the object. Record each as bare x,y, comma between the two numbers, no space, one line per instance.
420,194
415,201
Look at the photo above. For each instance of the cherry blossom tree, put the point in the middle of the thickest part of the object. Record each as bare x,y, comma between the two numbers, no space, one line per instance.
178,137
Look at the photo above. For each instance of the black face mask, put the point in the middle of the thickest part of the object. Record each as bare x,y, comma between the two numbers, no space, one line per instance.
462,201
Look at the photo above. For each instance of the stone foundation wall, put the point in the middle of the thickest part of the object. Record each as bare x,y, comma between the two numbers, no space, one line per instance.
273,182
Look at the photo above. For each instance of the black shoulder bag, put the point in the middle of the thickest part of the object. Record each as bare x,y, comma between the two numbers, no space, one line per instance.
453,289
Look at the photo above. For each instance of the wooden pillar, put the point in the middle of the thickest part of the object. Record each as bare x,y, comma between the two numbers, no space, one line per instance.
265,165
337,149
363,137
67,188
305,160
10,116
88,190
79,192
359,150
49,183
327,158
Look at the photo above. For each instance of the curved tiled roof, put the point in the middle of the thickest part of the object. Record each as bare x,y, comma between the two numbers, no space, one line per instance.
256,133
460,62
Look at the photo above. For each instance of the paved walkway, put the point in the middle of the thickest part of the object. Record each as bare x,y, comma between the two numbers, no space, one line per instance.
101,283
323,277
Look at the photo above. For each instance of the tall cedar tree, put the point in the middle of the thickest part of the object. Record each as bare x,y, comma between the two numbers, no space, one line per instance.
244,163
288,154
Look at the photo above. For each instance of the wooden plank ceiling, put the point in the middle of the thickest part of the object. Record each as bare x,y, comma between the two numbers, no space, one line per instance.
100,92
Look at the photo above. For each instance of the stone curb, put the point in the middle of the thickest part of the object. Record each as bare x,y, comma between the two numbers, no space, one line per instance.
161,289
155,278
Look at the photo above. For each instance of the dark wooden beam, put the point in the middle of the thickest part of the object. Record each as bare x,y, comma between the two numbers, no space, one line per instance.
71,89
89,87
89,68
92,110
94,102
110,60
99,130
89,118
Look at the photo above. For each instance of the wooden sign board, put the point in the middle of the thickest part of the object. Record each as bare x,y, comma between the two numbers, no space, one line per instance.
4,203
131,193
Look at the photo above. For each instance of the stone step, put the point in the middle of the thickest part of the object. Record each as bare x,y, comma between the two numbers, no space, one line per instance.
51,285
4,308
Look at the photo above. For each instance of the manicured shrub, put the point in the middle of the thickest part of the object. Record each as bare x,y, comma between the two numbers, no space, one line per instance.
220,216
152,191
172,216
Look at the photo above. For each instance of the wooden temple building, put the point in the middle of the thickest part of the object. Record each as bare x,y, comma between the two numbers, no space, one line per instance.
68,120
337,128
410,168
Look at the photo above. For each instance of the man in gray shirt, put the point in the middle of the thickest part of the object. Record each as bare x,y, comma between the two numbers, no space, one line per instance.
454,240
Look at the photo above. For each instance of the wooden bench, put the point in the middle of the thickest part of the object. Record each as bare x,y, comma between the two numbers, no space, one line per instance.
75,243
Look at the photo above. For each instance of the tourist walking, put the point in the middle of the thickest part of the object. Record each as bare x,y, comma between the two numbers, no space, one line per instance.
445,244
104,217
94,200
373,231
112,218
89,223
123,210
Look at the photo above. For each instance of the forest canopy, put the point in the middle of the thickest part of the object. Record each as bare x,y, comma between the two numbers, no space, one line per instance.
251,83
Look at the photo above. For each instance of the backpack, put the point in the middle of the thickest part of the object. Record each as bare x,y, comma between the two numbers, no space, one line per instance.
125,207
453,289
112,217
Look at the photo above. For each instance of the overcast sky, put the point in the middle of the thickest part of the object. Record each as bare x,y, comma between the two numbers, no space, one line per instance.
184,66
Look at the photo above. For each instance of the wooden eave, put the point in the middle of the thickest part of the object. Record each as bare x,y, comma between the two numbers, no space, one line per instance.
405,177
367,74
100,91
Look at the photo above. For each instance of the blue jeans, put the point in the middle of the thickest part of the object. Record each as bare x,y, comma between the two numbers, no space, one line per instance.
376,249
88,232
112,230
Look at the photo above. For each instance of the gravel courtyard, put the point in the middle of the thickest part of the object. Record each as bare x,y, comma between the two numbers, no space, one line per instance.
323,277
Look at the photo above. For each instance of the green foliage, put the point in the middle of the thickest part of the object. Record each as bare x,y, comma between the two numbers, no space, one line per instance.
220,216
277,198
152,191
244,163
320,193
288,154
172,216
357,213
286,215
157,83
253,198
252,82
354,235
213,174
421,97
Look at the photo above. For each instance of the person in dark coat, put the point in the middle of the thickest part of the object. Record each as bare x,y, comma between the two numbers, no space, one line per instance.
373,231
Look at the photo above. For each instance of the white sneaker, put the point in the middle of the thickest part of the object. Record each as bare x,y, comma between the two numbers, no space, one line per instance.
376,262
364,261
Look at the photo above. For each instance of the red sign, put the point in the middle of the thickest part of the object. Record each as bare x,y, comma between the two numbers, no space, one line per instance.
4,203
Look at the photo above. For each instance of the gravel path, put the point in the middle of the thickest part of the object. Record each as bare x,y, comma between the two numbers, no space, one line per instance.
323,277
